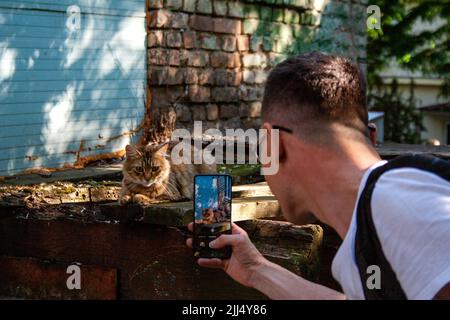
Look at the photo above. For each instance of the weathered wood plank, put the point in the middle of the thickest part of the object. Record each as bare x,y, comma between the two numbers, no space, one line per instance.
293,247
392,150
181,213
91,191
111,171
387,151
59,193
153,261
260,189
31,278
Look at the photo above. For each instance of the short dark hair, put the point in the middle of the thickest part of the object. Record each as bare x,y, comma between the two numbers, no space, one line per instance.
316,88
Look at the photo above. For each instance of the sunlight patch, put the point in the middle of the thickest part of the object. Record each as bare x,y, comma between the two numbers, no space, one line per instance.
57,114
7,62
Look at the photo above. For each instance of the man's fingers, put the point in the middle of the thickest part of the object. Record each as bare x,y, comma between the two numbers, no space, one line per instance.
235,229
227,240
189,242
210,263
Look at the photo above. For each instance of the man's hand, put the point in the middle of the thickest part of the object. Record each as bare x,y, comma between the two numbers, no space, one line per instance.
245,258
248,267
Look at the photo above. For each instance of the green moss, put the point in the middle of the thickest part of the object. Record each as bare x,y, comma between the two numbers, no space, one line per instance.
309,267
239,169
62,189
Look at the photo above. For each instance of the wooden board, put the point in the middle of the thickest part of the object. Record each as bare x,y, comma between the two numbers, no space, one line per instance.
153,262
32,278
181,213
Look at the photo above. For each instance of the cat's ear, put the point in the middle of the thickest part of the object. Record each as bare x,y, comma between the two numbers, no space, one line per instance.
162,148
132,151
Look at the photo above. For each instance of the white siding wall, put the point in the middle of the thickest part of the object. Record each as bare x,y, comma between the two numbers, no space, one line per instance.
64,87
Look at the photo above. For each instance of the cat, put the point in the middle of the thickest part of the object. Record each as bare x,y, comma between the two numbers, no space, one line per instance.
149,175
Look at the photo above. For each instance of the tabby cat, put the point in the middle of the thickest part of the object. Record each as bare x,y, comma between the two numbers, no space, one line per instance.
149,175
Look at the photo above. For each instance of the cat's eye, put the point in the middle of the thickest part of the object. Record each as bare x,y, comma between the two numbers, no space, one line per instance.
138,169
155,168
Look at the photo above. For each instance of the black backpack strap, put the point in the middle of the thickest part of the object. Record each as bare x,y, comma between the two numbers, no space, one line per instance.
368,248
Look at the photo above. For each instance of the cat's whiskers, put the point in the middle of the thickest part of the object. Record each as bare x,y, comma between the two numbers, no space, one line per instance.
165,187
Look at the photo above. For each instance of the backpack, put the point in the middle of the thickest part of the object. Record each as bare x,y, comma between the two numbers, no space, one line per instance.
368,248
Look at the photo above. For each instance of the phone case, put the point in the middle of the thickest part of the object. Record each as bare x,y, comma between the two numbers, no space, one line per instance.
201,246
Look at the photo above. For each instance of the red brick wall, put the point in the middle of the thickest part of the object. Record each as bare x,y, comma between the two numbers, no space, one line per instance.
209,59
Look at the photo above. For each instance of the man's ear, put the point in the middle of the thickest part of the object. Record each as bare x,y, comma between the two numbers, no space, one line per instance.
373,133
132,151
281,146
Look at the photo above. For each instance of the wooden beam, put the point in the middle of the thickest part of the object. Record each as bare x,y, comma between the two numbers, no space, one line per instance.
179,214
31,278
111,171
392,150
152,262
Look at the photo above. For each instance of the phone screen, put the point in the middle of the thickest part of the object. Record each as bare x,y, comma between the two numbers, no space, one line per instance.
212,214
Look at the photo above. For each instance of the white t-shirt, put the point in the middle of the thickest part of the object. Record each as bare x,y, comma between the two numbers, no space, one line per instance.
411,214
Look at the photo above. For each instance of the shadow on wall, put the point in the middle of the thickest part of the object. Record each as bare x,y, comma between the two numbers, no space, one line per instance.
72,82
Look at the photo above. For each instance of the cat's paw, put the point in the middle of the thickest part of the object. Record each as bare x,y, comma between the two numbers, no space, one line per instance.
141,199
123,200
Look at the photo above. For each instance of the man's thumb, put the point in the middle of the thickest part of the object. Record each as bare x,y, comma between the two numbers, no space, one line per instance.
225,240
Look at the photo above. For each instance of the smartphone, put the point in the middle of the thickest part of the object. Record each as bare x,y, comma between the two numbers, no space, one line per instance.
212,214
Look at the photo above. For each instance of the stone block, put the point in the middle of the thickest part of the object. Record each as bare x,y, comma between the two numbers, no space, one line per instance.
205,76
173,39
249,26
220,7
157,57
248,76
212,112
204,6
155,38
179,20
191,76
229,111
224,94
159,18
199,93
202,23
198,112
236,9
208,41
197,58
173,4
224,25
229,43
243,43
222,60
190,39
220,77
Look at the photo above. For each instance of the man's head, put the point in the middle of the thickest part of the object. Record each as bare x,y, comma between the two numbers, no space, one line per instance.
314,90
320,99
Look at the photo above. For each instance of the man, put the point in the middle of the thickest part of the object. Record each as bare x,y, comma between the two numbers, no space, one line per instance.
402,221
